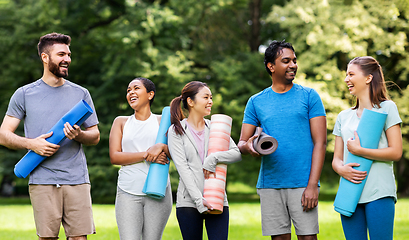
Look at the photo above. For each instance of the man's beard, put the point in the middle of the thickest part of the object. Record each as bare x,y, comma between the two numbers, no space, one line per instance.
55,69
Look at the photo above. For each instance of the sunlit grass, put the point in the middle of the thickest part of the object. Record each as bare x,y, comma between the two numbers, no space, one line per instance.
16,222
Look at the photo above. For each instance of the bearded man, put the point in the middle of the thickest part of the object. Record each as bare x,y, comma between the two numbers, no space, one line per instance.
59,187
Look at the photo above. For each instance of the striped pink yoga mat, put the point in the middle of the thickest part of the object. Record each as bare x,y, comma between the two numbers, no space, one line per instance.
219,140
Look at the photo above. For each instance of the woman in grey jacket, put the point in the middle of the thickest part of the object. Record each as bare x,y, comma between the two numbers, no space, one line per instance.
188,144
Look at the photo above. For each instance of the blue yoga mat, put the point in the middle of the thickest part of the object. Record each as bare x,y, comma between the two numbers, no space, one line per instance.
157,179
369,131
77,115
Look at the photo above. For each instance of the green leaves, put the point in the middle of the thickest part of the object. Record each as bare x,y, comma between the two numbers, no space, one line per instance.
174,42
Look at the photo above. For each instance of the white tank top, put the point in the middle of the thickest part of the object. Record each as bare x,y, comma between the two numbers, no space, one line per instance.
137,136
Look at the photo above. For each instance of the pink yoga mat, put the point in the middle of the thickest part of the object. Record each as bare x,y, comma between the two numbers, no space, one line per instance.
219,140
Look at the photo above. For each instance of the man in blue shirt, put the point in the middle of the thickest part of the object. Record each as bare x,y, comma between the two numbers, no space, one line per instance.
288,182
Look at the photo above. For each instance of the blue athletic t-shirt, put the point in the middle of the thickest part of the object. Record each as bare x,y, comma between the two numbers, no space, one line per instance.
285,116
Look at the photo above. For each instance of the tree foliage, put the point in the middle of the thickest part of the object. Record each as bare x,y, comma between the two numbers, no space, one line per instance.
327,34
219,42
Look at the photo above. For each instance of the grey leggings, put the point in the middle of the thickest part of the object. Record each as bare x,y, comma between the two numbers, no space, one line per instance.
141,217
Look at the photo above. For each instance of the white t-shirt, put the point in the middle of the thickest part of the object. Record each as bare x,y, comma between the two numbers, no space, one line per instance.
381,179
137,136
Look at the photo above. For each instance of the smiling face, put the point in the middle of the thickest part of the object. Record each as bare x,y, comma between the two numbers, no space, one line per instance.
202,104
356,81
58,59
285,67
137,95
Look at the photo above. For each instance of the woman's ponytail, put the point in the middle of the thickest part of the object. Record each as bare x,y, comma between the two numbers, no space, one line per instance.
176,115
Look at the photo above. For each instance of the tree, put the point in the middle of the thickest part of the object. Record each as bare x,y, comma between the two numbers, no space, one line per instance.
327,34
219,42
112,43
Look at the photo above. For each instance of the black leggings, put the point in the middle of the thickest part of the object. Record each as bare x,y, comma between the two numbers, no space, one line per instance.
191,224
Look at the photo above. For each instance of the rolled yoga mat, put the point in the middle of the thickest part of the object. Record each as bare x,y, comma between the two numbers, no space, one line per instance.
369,131
77,115
219,140
264,144
157,179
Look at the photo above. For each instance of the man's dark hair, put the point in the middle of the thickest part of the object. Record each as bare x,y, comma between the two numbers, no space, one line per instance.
50,39
274,50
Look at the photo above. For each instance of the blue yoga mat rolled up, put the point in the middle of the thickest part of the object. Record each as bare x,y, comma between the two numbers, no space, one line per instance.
369,132
157,179
77,115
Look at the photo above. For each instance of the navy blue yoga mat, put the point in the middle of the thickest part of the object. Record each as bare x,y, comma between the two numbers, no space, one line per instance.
369,131
157,179
77,115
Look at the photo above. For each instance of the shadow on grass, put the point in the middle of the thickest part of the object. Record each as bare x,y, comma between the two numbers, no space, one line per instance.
243,197
232,197
14,200
251,197
328,197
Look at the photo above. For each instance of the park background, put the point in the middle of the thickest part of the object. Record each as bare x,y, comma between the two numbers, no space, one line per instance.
220,42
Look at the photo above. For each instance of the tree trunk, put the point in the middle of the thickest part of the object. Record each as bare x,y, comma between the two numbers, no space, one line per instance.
255,26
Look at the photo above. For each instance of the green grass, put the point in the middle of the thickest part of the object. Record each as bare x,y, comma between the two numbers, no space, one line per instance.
17,223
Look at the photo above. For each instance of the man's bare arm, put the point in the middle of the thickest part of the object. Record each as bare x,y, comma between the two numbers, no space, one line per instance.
246,140
13,141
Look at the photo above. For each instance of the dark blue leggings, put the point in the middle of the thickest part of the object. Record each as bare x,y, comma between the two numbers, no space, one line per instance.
191,224
375,217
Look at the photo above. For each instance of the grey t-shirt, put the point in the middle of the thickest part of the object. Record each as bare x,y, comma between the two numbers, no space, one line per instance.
41,106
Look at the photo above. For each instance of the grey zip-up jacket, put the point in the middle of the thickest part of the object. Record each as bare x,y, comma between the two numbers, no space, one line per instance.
186,157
